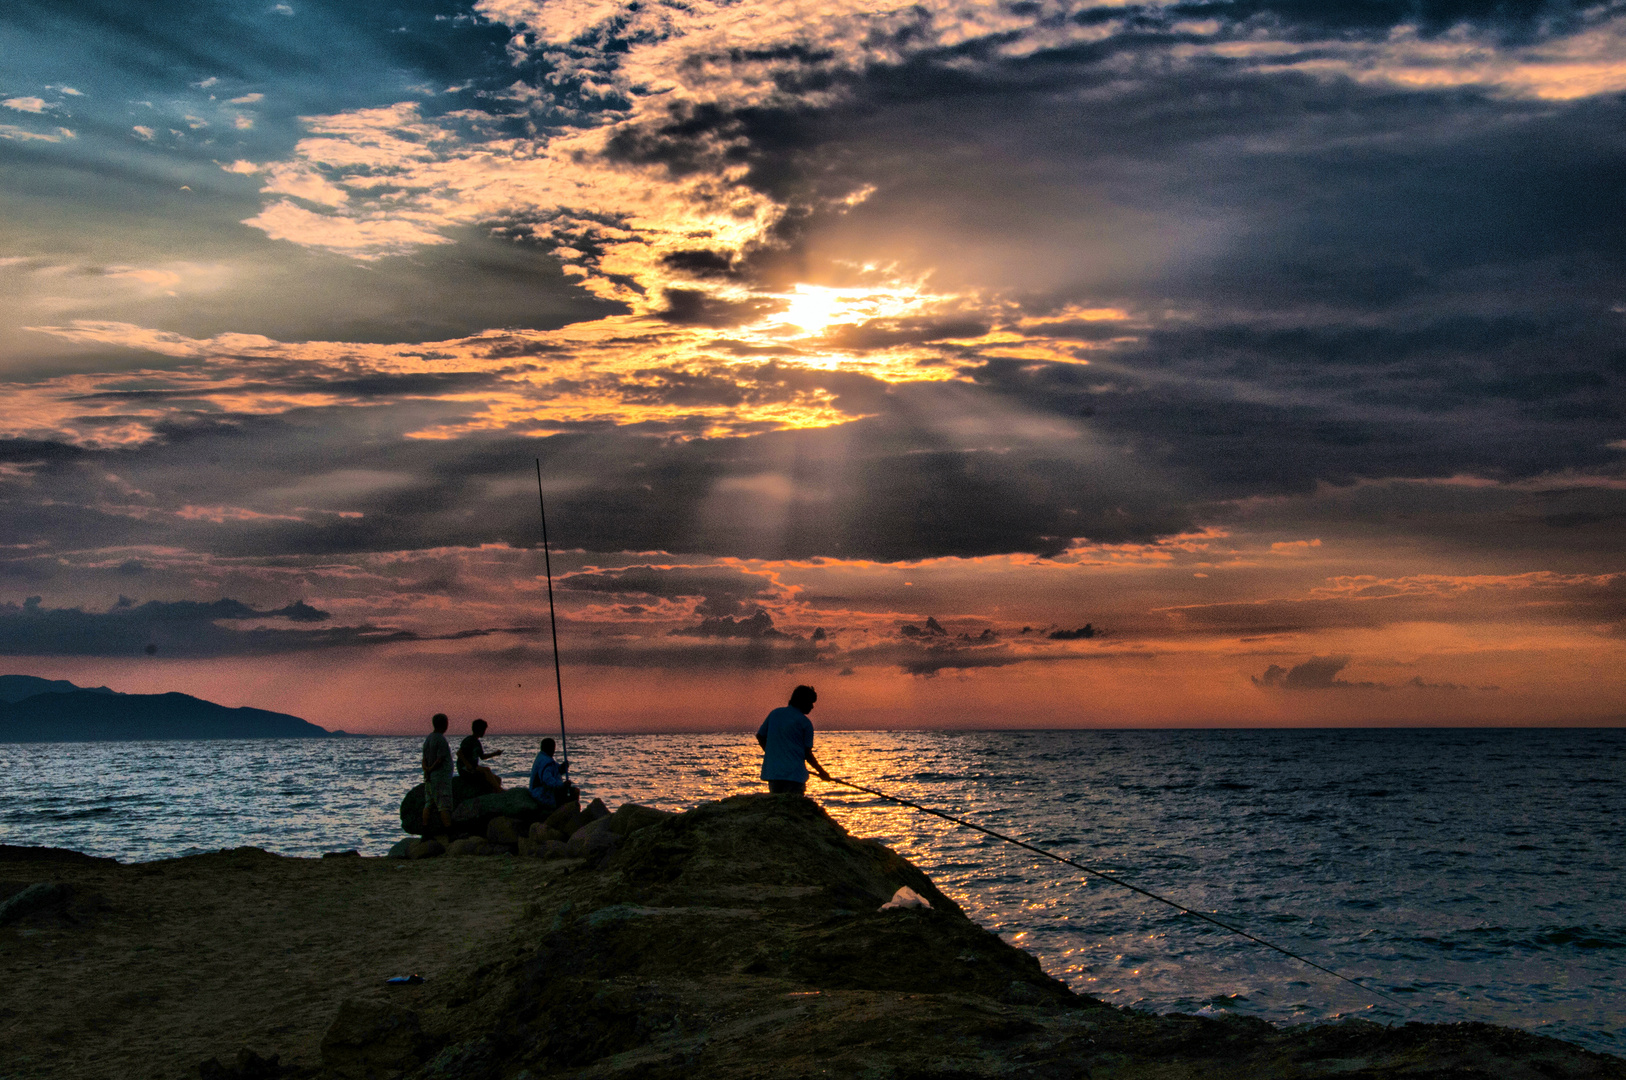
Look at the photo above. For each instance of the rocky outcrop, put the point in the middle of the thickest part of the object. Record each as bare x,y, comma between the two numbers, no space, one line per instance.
754,937
472,807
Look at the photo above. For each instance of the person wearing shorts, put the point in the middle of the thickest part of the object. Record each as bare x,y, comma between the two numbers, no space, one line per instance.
437,774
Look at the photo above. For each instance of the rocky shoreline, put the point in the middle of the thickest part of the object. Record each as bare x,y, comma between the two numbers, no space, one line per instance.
749,938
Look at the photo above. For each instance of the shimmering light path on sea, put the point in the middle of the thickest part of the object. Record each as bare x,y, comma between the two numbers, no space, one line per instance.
1478,874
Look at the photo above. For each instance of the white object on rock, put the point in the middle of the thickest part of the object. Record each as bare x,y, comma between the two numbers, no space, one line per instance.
905,898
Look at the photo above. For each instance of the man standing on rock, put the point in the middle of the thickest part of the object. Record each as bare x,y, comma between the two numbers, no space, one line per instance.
786,738
437,774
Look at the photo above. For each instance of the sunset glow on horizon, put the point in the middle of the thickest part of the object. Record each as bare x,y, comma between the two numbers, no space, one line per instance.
991,365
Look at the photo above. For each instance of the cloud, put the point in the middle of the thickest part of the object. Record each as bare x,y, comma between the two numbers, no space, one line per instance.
758,627
25,104
723,591
1320,673
17,134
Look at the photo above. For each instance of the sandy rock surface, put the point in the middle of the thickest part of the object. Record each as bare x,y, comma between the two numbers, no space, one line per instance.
743,939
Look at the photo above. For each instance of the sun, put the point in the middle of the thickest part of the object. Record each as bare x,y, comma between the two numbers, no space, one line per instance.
812,308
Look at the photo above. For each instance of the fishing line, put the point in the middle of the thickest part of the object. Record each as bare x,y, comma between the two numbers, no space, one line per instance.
1119,881
553,620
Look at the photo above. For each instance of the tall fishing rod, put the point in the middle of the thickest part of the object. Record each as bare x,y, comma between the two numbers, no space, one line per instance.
1118,881
553,620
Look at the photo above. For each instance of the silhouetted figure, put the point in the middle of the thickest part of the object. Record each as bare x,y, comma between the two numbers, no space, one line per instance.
549,786
469,755
437,774
786,738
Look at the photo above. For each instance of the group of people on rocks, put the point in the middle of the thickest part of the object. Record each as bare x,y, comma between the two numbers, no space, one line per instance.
786,738
549,785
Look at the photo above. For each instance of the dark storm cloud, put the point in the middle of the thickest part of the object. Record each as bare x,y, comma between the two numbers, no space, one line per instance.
758,654
887,333
897,486
1320,673
1364,283
376,385
757,627
1371,282
722,592
692,307
188,629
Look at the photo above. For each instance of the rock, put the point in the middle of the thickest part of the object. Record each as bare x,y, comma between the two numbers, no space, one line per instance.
475,845
556,849
474,815
593,841
42,894
425,849
369,1039
630,817
530,849
538,831
402,848
341,854
412,803
596,811
504,831
563,820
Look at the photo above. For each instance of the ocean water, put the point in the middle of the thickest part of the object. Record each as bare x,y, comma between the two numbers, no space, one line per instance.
1473,874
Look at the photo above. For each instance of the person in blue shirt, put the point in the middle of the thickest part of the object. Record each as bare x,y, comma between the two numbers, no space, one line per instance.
786,738
548,784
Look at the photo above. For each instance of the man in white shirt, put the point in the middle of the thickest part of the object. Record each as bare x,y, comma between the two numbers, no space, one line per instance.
786,738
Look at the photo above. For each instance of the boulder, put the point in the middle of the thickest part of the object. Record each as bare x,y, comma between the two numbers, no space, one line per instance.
402,848
538,831
475,845
369,1039
412,802
556,849
563,820
425,849
504,831
530,849
593,841
630,817
474,815
595,811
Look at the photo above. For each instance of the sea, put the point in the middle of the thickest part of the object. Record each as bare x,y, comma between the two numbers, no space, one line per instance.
1468,874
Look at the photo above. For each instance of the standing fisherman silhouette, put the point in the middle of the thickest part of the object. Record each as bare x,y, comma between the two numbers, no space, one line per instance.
437,774
786,738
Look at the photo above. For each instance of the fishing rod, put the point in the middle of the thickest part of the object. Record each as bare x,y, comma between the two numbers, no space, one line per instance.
1119,881
553,620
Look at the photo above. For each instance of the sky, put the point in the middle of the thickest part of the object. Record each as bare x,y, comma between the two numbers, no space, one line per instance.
1019,364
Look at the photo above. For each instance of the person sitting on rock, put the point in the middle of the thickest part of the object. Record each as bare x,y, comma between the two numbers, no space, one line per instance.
469,755
437,774
786,738
549,787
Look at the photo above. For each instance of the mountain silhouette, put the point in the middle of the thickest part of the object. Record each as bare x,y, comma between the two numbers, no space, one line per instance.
81,715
